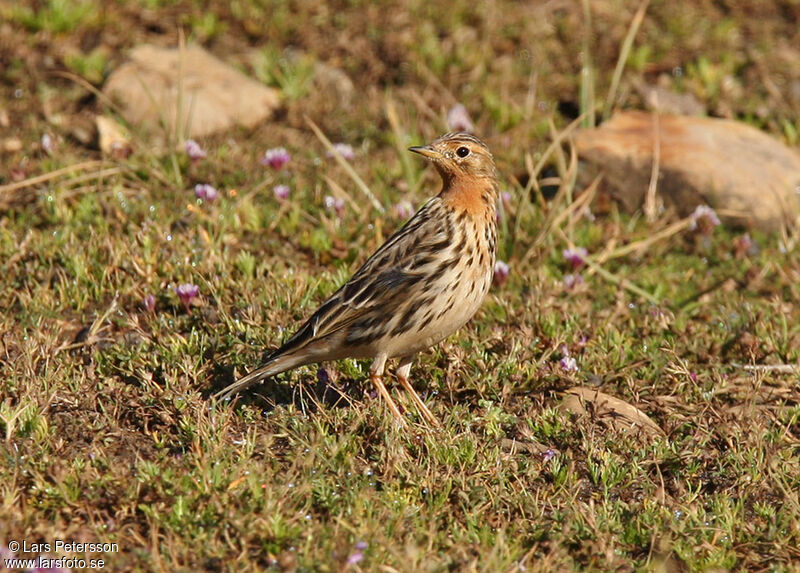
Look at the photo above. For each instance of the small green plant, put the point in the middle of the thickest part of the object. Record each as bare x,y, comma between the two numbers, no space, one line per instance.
57,16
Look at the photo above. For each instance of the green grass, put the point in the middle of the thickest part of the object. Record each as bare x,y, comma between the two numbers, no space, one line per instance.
109,433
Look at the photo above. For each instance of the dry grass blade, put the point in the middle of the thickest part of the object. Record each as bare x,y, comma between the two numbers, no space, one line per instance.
639,246
94,329
650,205
554,145
345,165
554,219
399,138
609,276
627,44
45,177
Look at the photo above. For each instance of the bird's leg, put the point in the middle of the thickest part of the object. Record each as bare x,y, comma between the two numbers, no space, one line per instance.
403,370
376,372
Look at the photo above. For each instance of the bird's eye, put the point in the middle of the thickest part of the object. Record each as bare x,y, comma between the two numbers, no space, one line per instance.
462,151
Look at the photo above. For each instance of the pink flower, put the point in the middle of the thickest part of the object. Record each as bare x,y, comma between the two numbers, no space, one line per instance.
194,151
281,192
575,257
276,158
572,280
344,149
149,303
334,204
357,556
458,119
501,272
187,293
568,364
205,192
404,209
704,219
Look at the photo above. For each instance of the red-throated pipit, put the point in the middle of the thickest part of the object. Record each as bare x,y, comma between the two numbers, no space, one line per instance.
425,282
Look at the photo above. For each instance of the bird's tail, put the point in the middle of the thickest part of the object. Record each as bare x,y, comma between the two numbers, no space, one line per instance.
279,362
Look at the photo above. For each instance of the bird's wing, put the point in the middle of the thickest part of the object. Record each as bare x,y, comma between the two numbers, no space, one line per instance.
387,278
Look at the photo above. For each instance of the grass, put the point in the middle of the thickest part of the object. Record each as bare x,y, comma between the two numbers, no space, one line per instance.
108,431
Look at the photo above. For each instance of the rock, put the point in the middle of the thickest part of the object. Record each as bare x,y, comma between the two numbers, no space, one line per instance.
11,144
112,138
157,84
660,98
608,410
745,175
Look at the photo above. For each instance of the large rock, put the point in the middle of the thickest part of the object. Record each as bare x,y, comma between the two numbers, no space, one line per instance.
161,85
748,177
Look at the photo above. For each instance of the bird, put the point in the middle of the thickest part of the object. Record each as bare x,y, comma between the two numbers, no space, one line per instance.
425,282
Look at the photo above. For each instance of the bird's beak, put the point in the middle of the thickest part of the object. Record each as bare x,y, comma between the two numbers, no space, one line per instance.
426,151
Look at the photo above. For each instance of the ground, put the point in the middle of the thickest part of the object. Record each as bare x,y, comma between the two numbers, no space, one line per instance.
110,434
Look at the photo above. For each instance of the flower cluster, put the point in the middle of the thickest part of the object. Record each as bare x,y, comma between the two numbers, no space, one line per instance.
194,151
187,292
281,192
276,158
343,149
205,192
703,220
334,204
501,272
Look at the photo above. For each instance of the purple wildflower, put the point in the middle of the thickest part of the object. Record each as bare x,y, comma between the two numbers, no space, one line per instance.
149,303
281,192
187,292
194,151
276,158
334,204
458,119
344,149
356,557
205,192
501,272
576,257
573,280
568,364
505,199
703,220
404,209
549,454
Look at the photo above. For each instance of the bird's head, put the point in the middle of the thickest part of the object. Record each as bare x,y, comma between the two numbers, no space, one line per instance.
459,156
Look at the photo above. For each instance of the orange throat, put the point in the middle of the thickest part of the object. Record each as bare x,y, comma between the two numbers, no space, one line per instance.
473,197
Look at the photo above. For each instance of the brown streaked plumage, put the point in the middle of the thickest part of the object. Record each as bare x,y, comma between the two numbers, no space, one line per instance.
425,282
